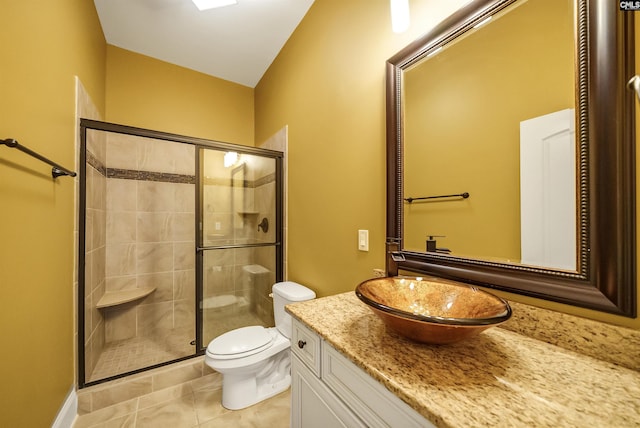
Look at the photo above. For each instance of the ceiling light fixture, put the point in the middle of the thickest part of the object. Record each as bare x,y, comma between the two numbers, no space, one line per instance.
210,4
399,15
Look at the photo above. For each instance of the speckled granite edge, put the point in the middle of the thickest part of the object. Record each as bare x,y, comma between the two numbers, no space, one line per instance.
614,344
500,378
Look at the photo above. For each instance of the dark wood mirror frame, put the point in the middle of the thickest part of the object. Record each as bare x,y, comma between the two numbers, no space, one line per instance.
606,277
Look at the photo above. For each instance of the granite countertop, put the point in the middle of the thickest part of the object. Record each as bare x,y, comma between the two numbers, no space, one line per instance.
499,378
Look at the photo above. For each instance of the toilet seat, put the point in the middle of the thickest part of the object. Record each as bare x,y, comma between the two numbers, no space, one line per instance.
241,342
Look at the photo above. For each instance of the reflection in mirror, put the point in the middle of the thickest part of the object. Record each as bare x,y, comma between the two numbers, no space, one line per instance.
530,118
464,107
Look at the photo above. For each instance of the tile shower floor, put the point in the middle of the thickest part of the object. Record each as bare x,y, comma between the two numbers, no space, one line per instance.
189,405
131,354
127,355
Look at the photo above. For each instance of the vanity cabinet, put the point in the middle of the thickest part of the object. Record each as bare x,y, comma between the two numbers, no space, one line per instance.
328,390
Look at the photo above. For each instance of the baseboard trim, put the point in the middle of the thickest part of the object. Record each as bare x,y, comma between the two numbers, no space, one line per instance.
68,411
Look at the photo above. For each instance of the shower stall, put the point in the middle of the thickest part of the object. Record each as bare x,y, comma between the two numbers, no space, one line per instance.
180,241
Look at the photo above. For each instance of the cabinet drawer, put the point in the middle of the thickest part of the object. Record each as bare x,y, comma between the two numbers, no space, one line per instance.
306,345
352,384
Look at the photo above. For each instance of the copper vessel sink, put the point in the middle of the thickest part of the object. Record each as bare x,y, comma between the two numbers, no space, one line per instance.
432,310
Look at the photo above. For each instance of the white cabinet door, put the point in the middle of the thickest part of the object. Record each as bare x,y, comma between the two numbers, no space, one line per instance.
313,405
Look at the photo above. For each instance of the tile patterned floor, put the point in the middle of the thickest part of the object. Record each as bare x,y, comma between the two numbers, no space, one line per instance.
189,405
143,351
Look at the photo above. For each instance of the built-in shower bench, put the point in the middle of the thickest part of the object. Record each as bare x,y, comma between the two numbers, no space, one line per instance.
114,298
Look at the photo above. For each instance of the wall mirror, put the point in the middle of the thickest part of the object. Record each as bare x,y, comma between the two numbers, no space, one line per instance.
511,152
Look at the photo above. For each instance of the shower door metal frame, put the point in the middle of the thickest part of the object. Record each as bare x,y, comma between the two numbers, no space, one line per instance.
88,124
200,249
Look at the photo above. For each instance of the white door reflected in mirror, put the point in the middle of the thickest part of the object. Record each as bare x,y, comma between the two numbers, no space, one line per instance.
548,190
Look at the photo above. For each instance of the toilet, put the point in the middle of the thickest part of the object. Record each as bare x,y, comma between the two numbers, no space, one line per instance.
255,361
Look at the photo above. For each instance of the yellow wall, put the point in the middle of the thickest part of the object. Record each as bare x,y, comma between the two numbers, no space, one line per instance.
152,94
327,85
42,46
463,109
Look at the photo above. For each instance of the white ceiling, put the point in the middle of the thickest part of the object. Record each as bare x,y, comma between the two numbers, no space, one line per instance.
236,43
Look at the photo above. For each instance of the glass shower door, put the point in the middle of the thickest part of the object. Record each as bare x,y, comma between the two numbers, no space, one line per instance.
240,240
137,287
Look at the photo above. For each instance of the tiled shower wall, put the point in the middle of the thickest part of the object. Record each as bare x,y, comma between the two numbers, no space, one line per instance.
218,229
150,233
264,185
279,142
95,248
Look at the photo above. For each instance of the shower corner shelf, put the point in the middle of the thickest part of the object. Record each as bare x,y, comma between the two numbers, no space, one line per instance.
114,298
248,212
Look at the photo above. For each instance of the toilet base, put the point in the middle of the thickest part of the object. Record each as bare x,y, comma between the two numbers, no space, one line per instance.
245,386
235,397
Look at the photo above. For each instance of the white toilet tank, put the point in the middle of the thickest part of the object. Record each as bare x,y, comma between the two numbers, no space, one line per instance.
283,294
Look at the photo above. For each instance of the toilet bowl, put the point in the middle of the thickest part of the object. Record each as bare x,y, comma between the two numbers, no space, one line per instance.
255,361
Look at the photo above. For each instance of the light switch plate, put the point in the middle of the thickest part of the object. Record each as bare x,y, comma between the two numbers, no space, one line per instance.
363,240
